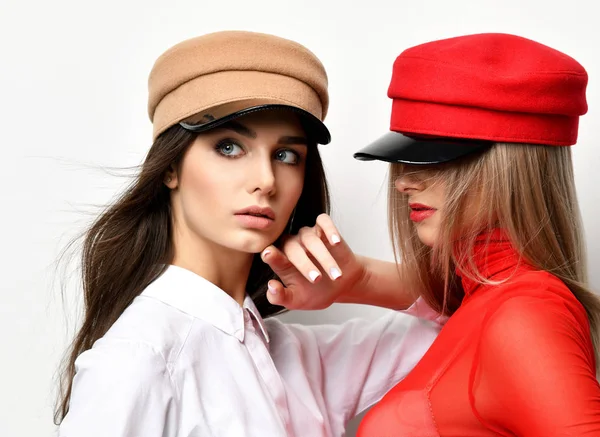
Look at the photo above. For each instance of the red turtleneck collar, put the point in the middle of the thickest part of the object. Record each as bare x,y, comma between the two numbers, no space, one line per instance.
494,257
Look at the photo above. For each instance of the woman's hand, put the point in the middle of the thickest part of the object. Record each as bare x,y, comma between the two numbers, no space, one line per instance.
316,267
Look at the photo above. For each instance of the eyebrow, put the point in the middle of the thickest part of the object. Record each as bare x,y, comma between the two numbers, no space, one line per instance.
240,129
247,132
286,141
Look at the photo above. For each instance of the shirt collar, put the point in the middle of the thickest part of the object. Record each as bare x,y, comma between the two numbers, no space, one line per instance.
192,294
251,307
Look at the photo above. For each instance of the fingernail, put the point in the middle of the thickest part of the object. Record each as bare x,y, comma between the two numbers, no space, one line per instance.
334,273
335,239
265,253
271,289
313,275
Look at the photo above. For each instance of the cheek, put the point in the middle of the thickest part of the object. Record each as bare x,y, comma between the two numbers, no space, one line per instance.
473,215
200,185
474,207
290,184
204,187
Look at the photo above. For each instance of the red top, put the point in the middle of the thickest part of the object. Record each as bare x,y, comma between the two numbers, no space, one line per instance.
516,359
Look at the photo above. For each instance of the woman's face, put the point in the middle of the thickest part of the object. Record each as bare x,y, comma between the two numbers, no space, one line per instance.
426,191
238,184
425,195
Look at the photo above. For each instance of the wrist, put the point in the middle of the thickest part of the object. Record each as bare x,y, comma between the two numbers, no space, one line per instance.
357,287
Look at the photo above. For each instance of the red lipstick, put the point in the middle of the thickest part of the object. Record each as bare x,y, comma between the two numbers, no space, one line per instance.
420,212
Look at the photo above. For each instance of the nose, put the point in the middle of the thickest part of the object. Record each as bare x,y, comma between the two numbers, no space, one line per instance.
262,176
408,184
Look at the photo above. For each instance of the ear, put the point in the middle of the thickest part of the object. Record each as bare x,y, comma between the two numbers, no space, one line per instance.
170,179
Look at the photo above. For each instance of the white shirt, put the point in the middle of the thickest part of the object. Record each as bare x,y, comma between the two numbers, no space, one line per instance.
186,360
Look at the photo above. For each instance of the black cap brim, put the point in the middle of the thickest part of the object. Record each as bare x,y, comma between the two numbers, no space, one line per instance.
315,128
399,148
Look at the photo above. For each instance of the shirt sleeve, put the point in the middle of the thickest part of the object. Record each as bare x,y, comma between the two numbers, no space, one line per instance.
120,388
421,310
535,372
360,360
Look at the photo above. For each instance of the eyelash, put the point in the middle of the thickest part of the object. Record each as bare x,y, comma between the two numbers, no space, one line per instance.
225,142
229,141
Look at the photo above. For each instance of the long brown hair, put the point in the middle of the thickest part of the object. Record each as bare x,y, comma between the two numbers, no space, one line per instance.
527,190
129,246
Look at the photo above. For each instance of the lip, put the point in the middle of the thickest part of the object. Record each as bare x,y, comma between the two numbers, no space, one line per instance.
420,212
255,217
256,210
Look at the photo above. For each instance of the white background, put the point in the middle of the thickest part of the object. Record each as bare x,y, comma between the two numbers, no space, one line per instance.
73,101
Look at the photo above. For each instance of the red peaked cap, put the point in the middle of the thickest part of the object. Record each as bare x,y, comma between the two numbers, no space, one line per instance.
494,87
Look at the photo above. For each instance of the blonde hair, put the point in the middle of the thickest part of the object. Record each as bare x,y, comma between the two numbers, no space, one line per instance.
528,191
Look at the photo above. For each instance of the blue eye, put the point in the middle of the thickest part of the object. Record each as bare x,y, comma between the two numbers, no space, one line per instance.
287,156
229,148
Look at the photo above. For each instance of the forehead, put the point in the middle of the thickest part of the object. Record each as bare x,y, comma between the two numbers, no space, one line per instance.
418,170
268,127
272,120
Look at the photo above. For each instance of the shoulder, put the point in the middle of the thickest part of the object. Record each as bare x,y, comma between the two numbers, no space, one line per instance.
528,281
122,353
120,387
536,317
151,326
533,292
120,366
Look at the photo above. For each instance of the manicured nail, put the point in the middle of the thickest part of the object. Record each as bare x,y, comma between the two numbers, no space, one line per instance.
271,289
335,239
313,275
334,273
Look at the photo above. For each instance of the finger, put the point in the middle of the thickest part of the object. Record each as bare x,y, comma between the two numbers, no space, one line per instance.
340,251
277,294
287,271
296,255
317,250
329,229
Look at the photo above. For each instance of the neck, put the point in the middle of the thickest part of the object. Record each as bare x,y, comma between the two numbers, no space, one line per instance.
228,269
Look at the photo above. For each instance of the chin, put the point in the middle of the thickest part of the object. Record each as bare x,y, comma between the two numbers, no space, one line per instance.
426,235
253,243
